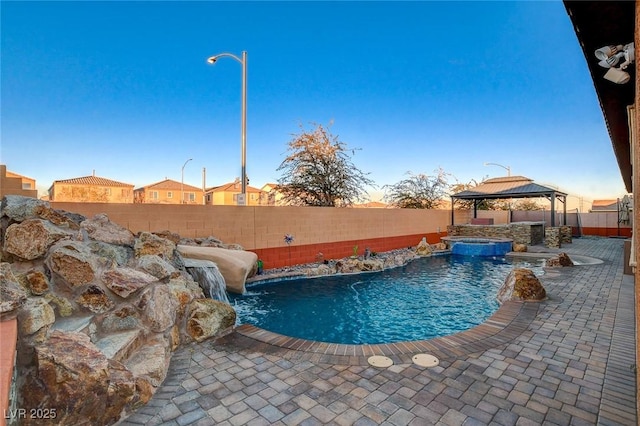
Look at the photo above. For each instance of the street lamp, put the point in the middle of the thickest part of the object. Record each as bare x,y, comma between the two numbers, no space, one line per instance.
243,131
182,182
507,168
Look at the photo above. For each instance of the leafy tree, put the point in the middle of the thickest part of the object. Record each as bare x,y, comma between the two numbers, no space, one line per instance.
418,191
318,171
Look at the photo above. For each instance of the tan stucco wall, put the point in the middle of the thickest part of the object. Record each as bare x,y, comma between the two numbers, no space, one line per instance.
168,196
265,227
91,193
12,184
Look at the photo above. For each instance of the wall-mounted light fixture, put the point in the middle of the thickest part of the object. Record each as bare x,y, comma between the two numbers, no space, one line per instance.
610,57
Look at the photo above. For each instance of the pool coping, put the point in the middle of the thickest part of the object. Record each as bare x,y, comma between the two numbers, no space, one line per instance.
510,320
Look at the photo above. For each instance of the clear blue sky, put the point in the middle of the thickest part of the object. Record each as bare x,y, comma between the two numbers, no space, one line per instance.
123,88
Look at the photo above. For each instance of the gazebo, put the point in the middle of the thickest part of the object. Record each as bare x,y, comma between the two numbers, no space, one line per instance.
510,187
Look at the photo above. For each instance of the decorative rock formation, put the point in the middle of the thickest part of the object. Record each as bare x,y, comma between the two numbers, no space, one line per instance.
156,266
74,379
99,228
72,262
521,284
562,259
12,295
99,310
439,246
37,282
377,262
35,315
350,266
552,237
423,248
148,243
519,248
18,209
125,281
234,265
208,315
32,238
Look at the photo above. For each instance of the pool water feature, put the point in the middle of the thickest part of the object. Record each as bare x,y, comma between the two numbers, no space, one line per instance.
476,246
427,298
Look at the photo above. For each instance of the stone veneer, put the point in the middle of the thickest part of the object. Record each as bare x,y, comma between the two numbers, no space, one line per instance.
566,234
552,237
529,233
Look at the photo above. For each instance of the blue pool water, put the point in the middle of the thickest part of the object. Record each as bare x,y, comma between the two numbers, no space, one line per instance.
481,247
430,297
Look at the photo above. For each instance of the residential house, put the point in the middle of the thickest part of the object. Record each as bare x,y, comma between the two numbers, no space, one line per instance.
228,195
598,24
271,196
168,192
604,206
15,184
91,189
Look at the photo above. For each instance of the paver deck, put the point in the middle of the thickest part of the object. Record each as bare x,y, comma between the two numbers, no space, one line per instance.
568,360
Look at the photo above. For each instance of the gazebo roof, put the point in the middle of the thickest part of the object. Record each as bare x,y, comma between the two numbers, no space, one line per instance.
507,187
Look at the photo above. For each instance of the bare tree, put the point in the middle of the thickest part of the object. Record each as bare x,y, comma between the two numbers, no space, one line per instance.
418,191
318,171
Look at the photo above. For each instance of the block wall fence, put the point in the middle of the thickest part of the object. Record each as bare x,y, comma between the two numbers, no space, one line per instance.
334,232
331,232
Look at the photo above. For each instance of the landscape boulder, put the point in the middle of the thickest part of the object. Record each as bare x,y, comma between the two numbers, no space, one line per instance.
32,238
423,248
125,281
562,259
148,243
519,248
12,295
522,285
100,228
73,262
18,208
73,378
209,317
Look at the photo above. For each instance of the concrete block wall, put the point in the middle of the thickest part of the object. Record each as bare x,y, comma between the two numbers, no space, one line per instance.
334,232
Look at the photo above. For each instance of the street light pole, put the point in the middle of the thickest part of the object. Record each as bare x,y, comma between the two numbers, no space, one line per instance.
507,168
243,124
182,182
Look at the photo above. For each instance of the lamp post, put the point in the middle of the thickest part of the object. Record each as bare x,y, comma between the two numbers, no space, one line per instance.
243,130
182,182
507,168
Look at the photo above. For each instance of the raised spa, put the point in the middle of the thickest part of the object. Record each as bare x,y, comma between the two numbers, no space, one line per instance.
478,246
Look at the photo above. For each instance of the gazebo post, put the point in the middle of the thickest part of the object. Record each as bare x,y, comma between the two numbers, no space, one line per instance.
553,209
453,200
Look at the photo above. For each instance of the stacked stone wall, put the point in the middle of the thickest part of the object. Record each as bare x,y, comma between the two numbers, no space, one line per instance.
552,237
566,234
520,233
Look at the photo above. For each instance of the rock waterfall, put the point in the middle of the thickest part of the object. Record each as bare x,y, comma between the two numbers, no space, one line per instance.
207,274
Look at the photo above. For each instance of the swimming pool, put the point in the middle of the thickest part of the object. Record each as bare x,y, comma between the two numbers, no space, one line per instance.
427,298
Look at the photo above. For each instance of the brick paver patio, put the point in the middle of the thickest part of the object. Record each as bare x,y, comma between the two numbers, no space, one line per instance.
566,361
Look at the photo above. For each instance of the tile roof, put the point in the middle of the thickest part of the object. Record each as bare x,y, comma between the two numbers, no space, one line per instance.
603,203
232,186
93,181
170,185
